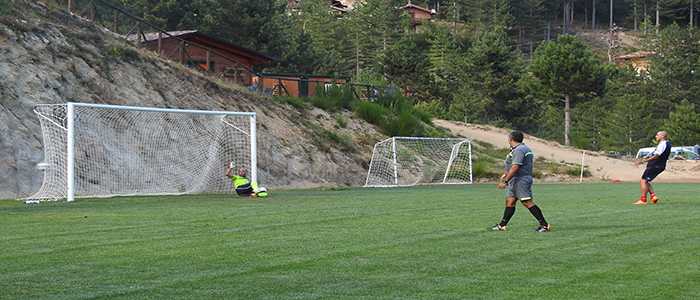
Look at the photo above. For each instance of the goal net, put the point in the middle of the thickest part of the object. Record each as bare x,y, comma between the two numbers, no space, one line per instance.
94,150
407,161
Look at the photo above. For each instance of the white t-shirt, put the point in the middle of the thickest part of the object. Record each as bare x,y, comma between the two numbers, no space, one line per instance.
660,148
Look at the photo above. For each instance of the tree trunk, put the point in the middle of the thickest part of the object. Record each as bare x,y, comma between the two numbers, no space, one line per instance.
691,13
565,15
593,16
567,119
646,17
357,54
611,15
657,17
571,15
636,16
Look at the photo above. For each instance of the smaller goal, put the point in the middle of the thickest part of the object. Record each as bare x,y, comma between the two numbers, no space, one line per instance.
408,161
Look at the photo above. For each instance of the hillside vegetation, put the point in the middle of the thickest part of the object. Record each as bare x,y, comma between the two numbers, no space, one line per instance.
538,66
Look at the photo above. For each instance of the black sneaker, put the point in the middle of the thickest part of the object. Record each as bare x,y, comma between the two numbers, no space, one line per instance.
498,227
543,228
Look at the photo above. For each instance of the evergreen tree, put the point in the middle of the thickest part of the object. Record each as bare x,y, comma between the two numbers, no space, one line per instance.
489,90
406,64
675,70
629,124
569,70
683,124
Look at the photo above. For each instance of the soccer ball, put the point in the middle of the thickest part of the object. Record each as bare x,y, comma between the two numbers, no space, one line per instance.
261,192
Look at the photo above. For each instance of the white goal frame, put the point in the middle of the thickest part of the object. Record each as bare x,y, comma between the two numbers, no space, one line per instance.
457,144
71,139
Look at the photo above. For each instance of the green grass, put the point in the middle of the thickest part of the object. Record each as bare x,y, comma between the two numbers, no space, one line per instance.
404,243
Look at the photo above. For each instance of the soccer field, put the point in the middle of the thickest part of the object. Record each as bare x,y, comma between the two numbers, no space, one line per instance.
401,243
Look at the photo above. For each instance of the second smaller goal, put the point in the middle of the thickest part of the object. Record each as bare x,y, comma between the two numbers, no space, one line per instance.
408,161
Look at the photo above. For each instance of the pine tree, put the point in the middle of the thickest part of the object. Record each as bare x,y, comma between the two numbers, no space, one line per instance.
569,70
683,124
629,124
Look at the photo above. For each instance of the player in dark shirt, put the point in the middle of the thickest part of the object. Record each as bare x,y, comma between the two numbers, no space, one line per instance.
656,163
517,181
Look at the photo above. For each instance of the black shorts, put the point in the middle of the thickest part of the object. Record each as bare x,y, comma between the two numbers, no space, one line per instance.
651,173
244,190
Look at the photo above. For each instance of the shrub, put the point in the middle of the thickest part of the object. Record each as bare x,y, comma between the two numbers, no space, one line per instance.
123,53
575,171
373,113
422,115
295,102
5,7
342,140
434,108
341,122
404,125
334,98
482,169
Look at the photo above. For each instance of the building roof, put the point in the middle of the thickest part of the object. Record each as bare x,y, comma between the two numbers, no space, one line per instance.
416,7
638,54
208,41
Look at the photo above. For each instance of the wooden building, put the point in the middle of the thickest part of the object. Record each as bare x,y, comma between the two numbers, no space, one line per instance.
206,53
638,60
419,15
295,85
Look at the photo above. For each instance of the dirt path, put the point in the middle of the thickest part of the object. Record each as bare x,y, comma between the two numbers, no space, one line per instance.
602,167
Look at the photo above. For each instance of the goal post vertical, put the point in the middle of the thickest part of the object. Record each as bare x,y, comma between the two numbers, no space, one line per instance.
253,150
396,165
70,152
453,155
471,172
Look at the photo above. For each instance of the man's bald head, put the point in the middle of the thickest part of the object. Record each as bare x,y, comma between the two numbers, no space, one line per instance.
661,135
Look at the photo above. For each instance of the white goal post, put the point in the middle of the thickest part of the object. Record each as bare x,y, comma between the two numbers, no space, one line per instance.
99,150
408,161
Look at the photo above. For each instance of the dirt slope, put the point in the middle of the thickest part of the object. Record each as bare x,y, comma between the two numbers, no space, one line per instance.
602,167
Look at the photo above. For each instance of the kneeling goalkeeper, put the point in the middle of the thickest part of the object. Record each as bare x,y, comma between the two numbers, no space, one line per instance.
243,186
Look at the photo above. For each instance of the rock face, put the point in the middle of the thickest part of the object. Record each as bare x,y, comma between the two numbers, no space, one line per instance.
49,57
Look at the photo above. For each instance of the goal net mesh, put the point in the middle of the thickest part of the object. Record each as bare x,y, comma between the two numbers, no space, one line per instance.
407,161
135,152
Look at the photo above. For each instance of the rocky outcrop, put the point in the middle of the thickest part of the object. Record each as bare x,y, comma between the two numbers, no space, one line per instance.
51,57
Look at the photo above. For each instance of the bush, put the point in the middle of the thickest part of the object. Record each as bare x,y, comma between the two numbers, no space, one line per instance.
123,53
373,113
342,140
404,125
434,108
295,102
575,171
422,115
482,169
334,98
5,7
341,122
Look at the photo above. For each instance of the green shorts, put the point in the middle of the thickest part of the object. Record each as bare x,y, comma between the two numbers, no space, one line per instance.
520,188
